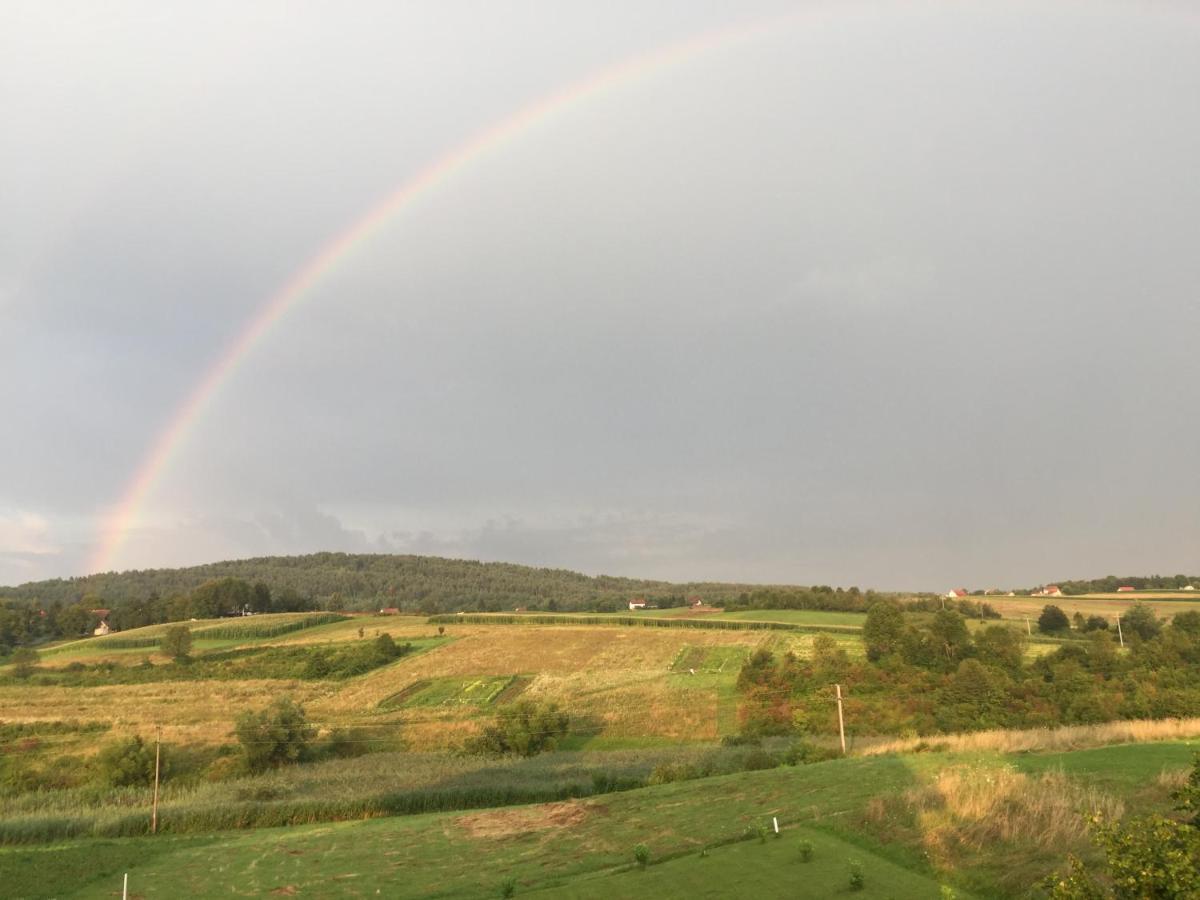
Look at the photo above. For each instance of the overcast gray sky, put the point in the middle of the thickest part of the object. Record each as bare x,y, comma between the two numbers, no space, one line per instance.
890,294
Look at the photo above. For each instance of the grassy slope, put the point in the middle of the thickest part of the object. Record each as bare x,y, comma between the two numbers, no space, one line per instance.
581,848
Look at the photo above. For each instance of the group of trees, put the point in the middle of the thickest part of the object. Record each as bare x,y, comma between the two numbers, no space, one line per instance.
930,673
24,623
1138,619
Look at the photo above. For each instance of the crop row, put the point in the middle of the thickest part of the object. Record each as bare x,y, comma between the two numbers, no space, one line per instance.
249,628
240,629
622,621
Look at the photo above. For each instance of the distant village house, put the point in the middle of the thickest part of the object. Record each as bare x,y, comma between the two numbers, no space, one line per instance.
1050,590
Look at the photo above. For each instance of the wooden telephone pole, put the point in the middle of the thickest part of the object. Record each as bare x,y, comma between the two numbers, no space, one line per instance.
841,719
157,758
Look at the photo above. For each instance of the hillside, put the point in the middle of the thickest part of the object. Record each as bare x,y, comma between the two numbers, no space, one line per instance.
425,583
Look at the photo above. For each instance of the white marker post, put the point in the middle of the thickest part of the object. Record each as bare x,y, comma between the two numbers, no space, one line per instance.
125,888
1120,634
841,721
775,820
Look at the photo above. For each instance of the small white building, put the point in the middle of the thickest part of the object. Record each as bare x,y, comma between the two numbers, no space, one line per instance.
636,604
102,629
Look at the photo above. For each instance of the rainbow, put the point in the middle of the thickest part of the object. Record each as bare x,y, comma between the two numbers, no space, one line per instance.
302,283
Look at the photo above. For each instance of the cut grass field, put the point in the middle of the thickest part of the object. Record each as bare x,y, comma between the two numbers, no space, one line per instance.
894,814
1108,605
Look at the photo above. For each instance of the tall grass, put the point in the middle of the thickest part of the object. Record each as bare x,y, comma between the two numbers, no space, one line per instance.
378,784
1071,737
252,627
977,806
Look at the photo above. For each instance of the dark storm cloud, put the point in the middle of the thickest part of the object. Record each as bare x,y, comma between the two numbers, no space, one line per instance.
899,295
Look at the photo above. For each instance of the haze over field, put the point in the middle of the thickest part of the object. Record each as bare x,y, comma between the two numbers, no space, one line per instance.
900,295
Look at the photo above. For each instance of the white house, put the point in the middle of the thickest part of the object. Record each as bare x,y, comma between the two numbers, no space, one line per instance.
636,604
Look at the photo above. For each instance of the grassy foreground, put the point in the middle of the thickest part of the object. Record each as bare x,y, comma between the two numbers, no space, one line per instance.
1017,817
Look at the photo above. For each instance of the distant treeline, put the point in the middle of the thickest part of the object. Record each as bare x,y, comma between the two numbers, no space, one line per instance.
419,584
1109,583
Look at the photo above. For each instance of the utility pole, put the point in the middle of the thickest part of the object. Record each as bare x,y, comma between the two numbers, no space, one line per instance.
1120,634
841,719
157,758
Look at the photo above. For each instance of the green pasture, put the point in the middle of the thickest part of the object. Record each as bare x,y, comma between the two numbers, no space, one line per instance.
475,691
753,869
797,617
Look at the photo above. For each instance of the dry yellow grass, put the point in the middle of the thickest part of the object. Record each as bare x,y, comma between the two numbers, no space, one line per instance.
1108,605
204,711
976,806
1072,737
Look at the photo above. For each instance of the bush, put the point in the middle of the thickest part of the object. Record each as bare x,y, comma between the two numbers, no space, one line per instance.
665,773
641,853
276,736
24,661
523,729
857,879
806,851
126,763
508,887
1053,620
177,642
1140,620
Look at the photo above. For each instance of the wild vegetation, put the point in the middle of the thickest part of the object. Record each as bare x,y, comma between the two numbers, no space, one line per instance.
954,680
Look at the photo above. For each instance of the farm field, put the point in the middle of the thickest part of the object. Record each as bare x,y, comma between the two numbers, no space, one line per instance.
1108,605
583,848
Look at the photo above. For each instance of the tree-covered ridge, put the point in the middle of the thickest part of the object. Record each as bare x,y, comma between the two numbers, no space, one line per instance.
426,584
348,581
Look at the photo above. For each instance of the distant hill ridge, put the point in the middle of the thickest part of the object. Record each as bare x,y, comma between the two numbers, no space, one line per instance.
426,583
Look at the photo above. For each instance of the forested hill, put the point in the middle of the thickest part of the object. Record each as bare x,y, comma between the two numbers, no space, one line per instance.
371,581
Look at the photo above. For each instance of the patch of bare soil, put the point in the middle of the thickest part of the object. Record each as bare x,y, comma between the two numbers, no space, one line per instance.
498,824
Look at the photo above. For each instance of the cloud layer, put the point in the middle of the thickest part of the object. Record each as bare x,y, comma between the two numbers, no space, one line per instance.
897,295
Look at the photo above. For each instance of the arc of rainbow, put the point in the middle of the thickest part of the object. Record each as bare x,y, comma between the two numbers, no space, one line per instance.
306,278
